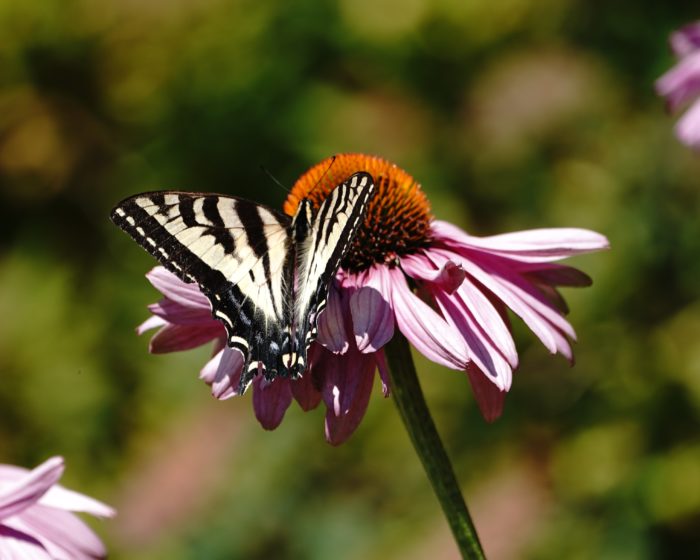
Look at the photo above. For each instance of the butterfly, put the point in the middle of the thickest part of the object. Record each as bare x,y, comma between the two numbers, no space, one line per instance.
266,274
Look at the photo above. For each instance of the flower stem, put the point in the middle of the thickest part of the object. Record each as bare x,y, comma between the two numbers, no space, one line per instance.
414,412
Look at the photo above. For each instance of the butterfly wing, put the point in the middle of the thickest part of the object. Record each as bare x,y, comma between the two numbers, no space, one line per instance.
238,252
320,254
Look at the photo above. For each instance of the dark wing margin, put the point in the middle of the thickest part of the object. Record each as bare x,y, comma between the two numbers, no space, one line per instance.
238,252
333,229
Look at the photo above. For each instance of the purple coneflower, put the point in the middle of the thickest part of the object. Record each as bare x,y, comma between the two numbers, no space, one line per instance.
681,84
445,290
36,519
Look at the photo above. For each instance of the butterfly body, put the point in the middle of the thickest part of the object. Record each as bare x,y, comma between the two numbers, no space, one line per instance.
266,274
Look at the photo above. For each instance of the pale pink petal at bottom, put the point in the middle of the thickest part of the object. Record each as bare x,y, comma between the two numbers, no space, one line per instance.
271,399
61,533
16,545
29,488
489,397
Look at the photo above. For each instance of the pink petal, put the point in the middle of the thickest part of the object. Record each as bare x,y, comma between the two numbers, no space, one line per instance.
172,338
271,399
521,302
346,392
174,312
436,339
372,319
27,490
481,350
489,398
680,83
61,533
150,323
688,126
558,275
223,373
383,372
331,323
486,316
17,545
59,497
447,277
175,289
536,245
305,392
686,39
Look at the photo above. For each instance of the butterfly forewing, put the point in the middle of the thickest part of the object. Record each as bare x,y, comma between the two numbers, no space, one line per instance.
320,254
266,279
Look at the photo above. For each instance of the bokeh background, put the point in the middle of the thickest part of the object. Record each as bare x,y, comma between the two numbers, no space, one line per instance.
512,114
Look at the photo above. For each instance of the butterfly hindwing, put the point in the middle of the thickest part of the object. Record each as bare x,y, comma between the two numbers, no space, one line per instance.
266,275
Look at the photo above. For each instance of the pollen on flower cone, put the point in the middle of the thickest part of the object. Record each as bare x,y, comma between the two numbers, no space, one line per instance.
398,216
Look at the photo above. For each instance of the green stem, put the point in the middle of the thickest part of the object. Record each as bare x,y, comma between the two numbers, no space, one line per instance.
414,412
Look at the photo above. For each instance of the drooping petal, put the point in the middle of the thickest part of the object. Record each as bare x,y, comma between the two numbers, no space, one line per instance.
346,391
305,392
522,302
481,349
535,245
172,338
27,490
271,399
434,337
176,290
332,334
490,322
489,397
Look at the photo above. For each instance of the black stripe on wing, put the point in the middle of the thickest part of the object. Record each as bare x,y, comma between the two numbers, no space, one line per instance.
341,214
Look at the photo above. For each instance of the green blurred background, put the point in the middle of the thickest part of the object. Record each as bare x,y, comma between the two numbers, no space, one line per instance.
512,114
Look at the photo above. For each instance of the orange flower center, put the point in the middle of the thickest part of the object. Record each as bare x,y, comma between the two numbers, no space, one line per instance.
398,216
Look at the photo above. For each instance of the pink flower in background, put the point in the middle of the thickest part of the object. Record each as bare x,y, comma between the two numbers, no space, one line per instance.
681,85
36,519
446,291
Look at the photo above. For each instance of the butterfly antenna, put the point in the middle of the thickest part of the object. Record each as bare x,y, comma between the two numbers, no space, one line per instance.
274,179
330,164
